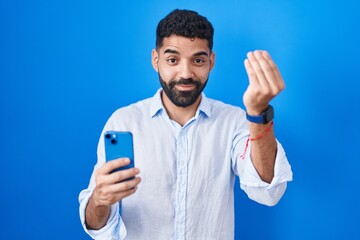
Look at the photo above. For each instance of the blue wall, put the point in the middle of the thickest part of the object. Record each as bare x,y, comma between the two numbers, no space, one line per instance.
65,66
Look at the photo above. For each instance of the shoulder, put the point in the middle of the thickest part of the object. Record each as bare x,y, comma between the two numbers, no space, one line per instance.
127,116
228,117
221,109
137,108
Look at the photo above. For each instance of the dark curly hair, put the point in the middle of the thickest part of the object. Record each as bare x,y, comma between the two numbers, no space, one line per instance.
184,23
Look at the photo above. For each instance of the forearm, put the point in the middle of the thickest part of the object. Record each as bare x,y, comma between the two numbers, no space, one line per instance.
96,216
263,150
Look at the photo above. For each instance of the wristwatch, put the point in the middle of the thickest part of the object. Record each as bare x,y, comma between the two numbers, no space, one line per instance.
265,117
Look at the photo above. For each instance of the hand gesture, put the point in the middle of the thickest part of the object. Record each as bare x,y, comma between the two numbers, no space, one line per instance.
265,81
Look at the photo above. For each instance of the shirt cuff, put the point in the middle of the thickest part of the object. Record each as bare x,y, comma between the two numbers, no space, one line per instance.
282,171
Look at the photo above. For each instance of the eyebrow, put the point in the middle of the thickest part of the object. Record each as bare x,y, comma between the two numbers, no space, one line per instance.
201,53
171,51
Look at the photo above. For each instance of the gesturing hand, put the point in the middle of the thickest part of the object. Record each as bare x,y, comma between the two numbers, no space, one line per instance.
265,81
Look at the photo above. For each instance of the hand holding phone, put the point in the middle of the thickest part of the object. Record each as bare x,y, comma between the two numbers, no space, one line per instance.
110,185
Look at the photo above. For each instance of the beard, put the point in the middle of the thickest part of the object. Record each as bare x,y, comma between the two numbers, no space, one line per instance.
182,98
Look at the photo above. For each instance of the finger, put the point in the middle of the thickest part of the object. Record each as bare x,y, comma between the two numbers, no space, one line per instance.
251,73
109,198
258,70
122,175
268,71
124,186
113,164
276,71
115,177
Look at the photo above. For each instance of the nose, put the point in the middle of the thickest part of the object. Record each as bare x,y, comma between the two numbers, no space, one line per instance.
185,71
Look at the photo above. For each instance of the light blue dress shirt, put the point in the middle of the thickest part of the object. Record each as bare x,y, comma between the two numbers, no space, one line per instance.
188,173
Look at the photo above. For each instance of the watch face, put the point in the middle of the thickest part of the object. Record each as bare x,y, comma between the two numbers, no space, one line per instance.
269,114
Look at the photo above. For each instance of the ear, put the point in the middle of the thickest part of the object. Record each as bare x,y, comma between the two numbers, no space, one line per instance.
155,59
212,60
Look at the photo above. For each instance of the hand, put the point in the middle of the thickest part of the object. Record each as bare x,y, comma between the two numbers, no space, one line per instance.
265,81
110,186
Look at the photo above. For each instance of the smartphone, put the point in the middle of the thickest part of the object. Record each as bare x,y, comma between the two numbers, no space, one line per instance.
119,145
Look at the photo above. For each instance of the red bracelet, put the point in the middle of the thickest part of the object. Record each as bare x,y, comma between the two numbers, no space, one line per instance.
254,139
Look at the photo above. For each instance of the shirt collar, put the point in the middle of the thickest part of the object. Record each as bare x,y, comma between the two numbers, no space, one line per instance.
156,105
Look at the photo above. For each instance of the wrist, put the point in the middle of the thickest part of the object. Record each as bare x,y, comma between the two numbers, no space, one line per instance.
255,111
96,215
95,202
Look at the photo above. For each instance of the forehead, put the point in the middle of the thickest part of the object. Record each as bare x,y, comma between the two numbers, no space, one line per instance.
185,46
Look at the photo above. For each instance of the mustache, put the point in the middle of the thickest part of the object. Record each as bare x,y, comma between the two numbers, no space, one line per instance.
186,81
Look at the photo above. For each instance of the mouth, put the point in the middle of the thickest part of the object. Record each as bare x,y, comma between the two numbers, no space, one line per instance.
185,87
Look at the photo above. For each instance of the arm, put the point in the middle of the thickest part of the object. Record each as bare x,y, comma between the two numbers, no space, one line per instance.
263,151
265,82
108,190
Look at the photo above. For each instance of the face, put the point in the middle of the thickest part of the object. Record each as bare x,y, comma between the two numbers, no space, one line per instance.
183,66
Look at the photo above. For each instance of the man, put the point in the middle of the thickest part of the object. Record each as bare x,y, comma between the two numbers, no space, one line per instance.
188,147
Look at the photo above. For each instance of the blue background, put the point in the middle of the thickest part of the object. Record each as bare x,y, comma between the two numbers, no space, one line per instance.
65,66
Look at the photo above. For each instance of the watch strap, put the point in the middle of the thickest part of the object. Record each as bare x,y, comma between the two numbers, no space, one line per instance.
265,117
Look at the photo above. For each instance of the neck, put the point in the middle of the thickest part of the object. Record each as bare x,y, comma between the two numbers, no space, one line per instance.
181,115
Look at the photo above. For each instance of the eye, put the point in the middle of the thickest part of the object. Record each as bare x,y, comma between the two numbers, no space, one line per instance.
172,61
199,60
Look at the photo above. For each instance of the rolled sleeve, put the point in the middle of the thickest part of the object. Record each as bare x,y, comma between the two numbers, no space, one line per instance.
258,190
114,228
